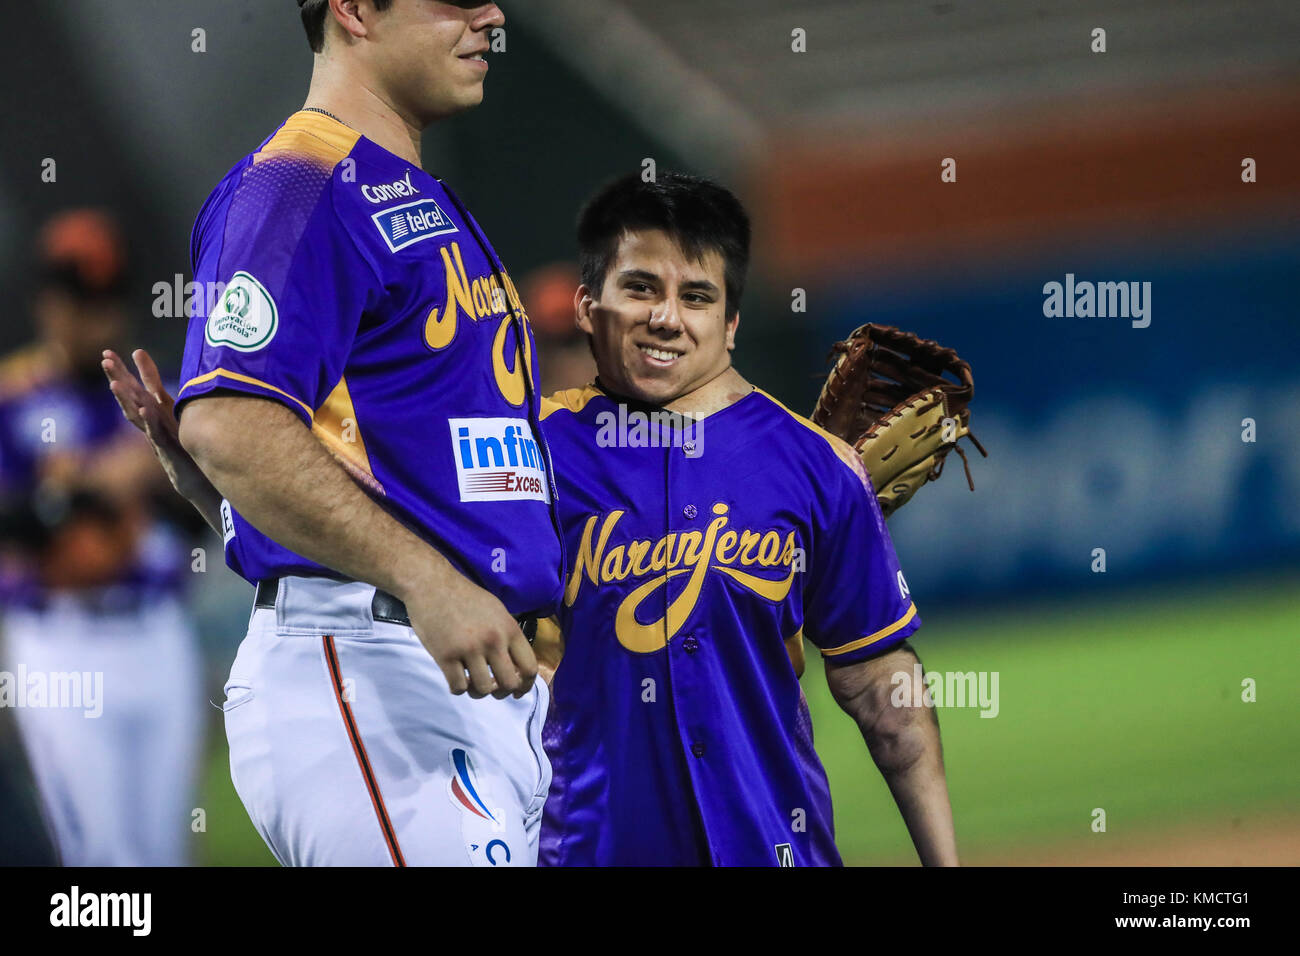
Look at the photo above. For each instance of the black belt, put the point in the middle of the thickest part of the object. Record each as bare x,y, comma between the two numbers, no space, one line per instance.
384,608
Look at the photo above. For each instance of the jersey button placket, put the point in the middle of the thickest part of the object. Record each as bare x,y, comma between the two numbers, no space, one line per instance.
690,644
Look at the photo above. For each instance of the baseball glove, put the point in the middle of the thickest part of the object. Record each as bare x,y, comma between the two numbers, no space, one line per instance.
901,402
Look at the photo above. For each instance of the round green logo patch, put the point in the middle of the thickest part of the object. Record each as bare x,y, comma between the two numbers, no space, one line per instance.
246,317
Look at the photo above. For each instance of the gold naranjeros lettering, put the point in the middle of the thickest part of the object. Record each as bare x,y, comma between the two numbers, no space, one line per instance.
671,556
480,299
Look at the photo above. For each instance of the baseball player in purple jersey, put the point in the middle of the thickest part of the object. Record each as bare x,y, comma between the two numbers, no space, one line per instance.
360,395
708,531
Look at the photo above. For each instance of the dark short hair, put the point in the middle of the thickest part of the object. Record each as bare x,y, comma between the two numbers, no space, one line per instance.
313,19
698,214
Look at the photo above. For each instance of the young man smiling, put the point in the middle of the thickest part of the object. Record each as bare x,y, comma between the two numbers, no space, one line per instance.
678,731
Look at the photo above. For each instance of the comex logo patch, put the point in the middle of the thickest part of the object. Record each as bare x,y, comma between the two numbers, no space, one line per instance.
397,190
403,226
497,459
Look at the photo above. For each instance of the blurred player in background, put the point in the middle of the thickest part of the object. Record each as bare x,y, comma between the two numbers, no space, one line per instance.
101,661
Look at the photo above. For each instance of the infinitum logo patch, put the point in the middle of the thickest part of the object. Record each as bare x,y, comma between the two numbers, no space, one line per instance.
402,226
497,459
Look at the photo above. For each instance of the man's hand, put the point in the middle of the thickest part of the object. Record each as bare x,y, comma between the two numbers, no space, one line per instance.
146,405
470,630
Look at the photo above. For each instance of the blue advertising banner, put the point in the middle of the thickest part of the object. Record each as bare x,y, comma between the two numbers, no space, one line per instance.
1152,428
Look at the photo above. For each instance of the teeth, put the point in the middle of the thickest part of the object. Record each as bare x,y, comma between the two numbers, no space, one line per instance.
660,354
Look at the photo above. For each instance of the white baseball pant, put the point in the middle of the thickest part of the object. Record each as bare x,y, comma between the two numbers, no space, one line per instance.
348,749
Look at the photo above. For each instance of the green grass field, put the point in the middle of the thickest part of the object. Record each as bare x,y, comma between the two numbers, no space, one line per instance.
1129,704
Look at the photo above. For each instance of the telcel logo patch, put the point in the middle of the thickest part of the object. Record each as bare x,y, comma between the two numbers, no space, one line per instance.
497,459
402,226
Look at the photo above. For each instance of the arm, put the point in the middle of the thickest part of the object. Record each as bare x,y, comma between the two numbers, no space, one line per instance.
904,743
259,456
147,406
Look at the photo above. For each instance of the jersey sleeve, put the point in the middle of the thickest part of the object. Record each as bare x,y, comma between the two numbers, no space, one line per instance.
856,602
288,288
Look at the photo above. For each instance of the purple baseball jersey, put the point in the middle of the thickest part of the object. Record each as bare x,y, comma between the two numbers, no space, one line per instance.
699,558
354,288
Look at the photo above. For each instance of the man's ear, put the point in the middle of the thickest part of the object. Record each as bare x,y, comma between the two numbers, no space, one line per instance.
733,324
347,14
582,303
